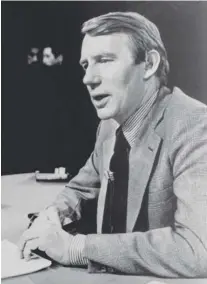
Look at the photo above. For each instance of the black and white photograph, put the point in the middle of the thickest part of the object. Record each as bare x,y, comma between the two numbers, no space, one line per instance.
104,142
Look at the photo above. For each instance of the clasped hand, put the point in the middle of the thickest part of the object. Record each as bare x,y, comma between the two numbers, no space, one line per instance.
47,235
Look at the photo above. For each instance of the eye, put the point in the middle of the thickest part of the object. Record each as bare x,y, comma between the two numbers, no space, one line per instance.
105,60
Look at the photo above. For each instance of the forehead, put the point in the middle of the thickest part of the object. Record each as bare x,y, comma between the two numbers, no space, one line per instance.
47,50
117,43
34,50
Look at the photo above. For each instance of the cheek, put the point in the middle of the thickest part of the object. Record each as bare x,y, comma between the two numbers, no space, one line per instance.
117,74
118,79
126,78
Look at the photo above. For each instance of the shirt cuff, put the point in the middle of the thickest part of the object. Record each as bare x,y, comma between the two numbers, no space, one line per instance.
76,250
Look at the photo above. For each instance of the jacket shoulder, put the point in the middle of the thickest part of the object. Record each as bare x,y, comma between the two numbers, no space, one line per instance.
184,114
185,105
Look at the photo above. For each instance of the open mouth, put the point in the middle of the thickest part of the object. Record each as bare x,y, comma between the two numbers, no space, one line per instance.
100,97
101,100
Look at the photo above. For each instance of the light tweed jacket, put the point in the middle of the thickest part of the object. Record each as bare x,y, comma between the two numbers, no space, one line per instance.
169,163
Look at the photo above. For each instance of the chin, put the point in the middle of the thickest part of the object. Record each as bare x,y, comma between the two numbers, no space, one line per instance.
104,114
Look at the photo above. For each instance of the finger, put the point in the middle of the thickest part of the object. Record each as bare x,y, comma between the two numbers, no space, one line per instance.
21,246
29,247
28,235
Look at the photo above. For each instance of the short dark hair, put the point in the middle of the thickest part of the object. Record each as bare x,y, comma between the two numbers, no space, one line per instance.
144,36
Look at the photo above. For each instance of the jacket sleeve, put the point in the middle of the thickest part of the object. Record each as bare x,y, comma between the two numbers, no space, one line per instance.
180,250
82,188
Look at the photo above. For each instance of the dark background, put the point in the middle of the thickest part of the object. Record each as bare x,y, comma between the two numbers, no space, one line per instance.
47,117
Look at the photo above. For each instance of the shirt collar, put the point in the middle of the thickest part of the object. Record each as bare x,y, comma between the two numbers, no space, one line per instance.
133,124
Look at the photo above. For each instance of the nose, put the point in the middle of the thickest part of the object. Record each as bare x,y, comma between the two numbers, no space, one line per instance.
91,78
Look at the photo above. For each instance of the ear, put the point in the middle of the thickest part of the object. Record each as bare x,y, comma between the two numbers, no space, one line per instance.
152,62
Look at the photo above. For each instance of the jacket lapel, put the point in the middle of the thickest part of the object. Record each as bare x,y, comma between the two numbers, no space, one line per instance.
142,158
108,148
140,166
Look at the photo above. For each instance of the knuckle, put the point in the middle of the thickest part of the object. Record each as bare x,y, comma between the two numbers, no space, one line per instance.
27,252
29,246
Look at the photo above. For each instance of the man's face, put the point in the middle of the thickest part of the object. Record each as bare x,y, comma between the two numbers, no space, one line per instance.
33,55
115,83
48,56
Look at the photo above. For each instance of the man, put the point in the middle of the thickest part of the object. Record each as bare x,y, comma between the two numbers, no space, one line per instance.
51,57
148,170
32,57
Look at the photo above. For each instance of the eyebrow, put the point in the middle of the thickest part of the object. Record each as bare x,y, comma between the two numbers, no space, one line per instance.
104,54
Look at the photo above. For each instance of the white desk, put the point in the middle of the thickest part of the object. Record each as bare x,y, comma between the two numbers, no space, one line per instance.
20,195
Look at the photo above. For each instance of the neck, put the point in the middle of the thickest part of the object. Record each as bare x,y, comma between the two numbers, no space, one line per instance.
151,87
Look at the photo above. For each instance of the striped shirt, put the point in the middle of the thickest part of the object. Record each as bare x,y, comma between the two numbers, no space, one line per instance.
76,251
132,125
131,128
